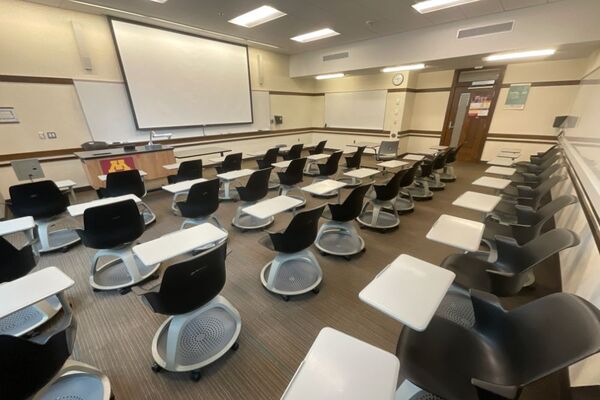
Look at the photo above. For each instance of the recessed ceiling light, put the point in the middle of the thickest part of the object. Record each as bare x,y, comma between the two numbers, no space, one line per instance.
330,76
159,1
404,68
428,6
257,16
316,35
520,54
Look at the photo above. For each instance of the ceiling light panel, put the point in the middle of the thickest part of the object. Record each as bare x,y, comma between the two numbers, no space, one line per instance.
257,17
520,54
330,76
428,6
316,35
412,67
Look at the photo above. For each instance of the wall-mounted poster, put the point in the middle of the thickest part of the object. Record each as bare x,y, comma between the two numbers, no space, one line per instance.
517,96
480,106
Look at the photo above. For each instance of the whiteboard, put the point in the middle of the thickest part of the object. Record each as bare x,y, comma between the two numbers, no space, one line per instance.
182,80
109,117
365,109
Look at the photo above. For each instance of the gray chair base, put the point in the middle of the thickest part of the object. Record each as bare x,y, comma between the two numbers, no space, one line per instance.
188,342
29,318
339,239
60,239
377,217
435,182
404,203
247,222
448,175
292,274
211,219
410,391
273,184
420,191
148,214
123,271
284,190
77,381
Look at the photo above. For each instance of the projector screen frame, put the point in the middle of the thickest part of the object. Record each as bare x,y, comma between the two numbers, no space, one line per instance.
126,82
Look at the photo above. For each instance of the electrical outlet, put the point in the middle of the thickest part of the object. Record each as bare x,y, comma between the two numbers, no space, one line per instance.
42,135
51,135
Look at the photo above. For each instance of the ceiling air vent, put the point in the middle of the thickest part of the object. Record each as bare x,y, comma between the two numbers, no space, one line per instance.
336,56
485,30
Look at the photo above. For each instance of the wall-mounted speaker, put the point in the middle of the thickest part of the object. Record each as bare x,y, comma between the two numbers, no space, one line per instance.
84,55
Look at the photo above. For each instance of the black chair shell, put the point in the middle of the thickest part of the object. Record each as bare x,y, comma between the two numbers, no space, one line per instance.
15,263
188,170
232,162
319,148
353,162
202,200
294,152
257,186
122,183
41,199
351,207
269,158
300,233
390,189
331,166
293,173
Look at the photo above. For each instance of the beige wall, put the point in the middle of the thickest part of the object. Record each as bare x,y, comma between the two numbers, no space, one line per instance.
429,110
298,111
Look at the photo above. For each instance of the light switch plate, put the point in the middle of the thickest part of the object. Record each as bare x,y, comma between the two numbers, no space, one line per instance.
51,135
42,135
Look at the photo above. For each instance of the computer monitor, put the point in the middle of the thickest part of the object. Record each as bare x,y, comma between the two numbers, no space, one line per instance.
28,169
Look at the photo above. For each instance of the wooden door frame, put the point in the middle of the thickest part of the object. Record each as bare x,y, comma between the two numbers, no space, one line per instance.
445,139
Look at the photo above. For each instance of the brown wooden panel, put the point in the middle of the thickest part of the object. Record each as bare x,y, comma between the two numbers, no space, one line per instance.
282,93
36,79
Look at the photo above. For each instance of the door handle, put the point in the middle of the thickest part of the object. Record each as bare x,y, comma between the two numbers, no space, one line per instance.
451,125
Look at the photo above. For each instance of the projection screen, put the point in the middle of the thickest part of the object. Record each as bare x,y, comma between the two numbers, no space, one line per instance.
180,80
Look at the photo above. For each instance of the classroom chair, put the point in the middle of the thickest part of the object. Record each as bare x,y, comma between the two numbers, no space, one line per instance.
14,264
419,190
269,159
533,180
202,325
112,229
128,182
291,177
232,162
319,148
374,214
388,150
201,204
353,162
44,202
294,152
448,175
328,170
39,367
438,162
188,170
256,189
503,351
294,270
513,267
338,235
404,201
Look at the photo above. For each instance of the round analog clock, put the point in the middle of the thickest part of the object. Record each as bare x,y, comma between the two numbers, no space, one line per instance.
398,79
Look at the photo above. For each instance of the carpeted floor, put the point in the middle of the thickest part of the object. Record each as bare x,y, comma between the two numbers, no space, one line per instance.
115,332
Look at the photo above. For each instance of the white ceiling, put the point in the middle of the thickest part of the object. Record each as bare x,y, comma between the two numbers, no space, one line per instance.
348,17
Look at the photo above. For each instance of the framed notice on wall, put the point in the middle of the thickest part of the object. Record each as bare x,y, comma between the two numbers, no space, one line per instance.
517,96
8,116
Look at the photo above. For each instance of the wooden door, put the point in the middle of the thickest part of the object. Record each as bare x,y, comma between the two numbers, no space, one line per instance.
469,118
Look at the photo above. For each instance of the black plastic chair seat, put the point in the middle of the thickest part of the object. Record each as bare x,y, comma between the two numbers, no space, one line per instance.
471,272
300,233
40,200
15,263
202,200
188,170
331,166
319,148
111,225
269,158
353,162
257,186
294,153
351,207
122,183
389,190
293,174
232,162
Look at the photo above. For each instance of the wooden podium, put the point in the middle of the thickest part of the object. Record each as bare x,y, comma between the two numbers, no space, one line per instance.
147,158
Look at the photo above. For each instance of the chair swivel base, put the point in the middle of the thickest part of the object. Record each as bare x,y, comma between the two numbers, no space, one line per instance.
404,205
447,178
77,381
123,271
420,193
29,318
149,216
247,222
339,239
409,391
292,274
377,217
60,239
436,185
189,342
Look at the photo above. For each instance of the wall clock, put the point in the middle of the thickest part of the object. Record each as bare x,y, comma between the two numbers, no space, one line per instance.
398,79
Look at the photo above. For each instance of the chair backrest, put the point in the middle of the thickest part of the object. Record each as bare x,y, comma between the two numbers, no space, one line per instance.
451,156
202,199
388,147
38,199
293,174
27,365
189,170
351,207
320,147
355,159
410,175
112,224
331,166
124,182
190,284
390,190
519,259
269,158
426,168
94,145
547,173
533,196
440,160
15,263
532,221
232,162
300,233
257,186
295,152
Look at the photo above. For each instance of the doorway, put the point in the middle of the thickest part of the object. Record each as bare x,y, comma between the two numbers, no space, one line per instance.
470,110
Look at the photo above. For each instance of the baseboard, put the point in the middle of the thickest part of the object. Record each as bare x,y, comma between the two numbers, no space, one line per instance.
585,392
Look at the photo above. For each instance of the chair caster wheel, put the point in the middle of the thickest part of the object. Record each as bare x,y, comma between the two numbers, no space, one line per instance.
235,346
285,297
95,290
64,249
195,375
124,291
156,368
348,258
316,290
364,250
323,253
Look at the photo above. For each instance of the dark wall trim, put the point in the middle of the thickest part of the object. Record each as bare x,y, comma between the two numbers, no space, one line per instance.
521,136
35,79
282,93
413,90
546,83
585,392
352,130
